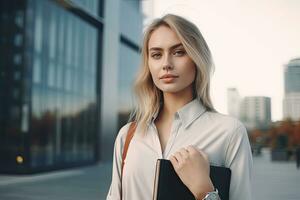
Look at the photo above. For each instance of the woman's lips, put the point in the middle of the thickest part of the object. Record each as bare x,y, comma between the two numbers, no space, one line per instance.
168,78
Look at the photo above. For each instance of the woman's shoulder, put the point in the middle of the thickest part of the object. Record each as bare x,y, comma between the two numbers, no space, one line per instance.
121,137
231,127
228,122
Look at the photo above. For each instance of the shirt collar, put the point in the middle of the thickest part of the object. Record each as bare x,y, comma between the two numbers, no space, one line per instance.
188,113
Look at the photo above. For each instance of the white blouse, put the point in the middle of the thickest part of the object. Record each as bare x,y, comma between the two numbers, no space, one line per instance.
223,138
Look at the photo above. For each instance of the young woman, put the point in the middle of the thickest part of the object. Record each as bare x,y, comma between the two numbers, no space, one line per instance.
176,119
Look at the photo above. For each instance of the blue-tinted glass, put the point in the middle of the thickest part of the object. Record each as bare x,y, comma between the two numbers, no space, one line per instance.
17,59
51,74
59,77
19,18
64,98
91,6
38,29
127,72
18,40
69,45
52,33
36,69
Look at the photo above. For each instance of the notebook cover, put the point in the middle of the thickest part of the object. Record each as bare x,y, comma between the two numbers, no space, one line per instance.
168,185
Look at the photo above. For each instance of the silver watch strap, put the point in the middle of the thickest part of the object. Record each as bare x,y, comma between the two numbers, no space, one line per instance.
209,193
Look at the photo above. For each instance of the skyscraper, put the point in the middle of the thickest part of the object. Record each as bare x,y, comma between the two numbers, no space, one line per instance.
291,101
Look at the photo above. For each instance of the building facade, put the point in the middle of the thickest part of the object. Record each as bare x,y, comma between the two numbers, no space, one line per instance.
62,66
291,101
255,112
233,102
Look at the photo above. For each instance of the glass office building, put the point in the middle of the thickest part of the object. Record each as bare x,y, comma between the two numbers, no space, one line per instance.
291,100
50,84
292,76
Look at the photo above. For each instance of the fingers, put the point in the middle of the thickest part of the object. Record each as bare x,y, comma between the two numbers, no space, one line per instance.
186,153
174,162
182,154
204,155
189,156
179,157
194,150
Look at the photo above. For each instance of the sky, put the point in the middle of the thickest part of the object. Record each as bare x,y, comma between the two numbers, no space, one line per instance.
250,41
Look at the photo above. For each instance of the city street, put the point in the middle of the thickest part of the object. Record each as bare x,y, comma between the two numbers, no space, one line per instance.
272,181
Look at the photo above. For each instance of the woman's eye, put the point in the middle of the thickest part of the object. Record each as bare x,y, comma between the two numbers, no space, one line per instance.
155,55
179,53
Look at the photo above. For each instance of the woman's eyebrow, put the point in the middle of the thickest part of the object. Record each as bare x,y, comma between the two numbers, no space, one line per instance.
159,48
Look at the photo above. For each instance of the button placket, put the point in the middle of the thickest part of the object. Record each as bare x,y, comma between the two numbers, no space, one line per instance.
156,141
173,135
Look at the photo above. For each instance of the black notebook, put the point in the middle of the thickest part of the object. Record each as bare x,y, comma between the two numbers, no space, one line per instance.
168,185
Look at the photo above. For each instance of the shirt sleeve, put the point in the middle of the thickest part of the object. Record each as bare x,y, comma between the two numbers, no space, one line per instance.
114,192
239,159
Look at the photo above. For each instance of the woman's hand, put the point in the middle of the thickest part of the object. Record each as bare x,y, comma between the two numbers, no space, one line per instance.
192,166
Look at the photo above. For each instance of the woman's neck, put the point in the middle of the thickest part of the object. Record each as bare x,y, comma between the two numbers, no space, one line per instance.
174,101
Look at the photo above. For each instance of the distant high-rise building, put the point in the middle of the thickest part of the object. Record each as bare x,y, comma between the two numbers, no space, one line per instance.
291,101
233,102
255,111
291,106
292,76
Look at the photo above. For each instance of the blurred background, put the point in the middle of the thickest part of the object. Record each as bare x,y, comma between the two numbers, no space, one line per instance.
66,74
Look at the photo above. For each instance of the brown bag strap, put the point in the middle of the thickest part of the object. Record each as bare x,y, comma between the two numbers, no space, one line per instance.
129,136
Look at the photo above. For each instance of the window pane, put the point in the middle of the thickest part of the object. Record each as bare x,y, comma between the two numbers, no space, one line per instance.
36,69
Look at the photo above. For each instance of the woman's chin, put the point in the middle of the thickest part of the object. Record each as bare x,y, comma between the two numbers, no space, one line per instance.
170,90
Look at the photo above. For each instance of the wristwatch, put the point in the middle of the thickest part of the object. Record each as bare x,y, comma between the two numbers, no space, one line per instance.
212,195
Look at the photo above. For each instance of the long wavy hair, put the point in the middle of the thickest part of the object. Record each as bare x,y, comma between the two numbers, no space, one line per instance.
148,96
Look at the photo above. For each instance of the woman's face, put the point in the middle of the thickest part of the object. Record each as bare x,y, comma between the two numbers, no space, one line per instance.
172,70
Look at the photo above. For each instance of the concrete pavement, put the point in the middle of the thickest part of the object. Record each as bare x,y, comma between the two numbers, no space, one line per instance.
272,181
86,183
275,180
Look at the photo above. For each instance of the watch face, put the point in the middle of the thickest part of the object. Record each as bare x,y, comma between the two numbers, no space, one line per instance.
212,196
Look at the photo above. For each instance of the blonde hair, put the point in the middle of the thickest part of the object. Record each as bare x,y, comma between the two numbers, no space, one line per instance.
148,95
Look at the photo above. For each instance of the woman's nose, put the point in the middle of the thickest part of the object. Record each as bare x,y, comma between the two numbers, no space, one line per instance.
167,65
